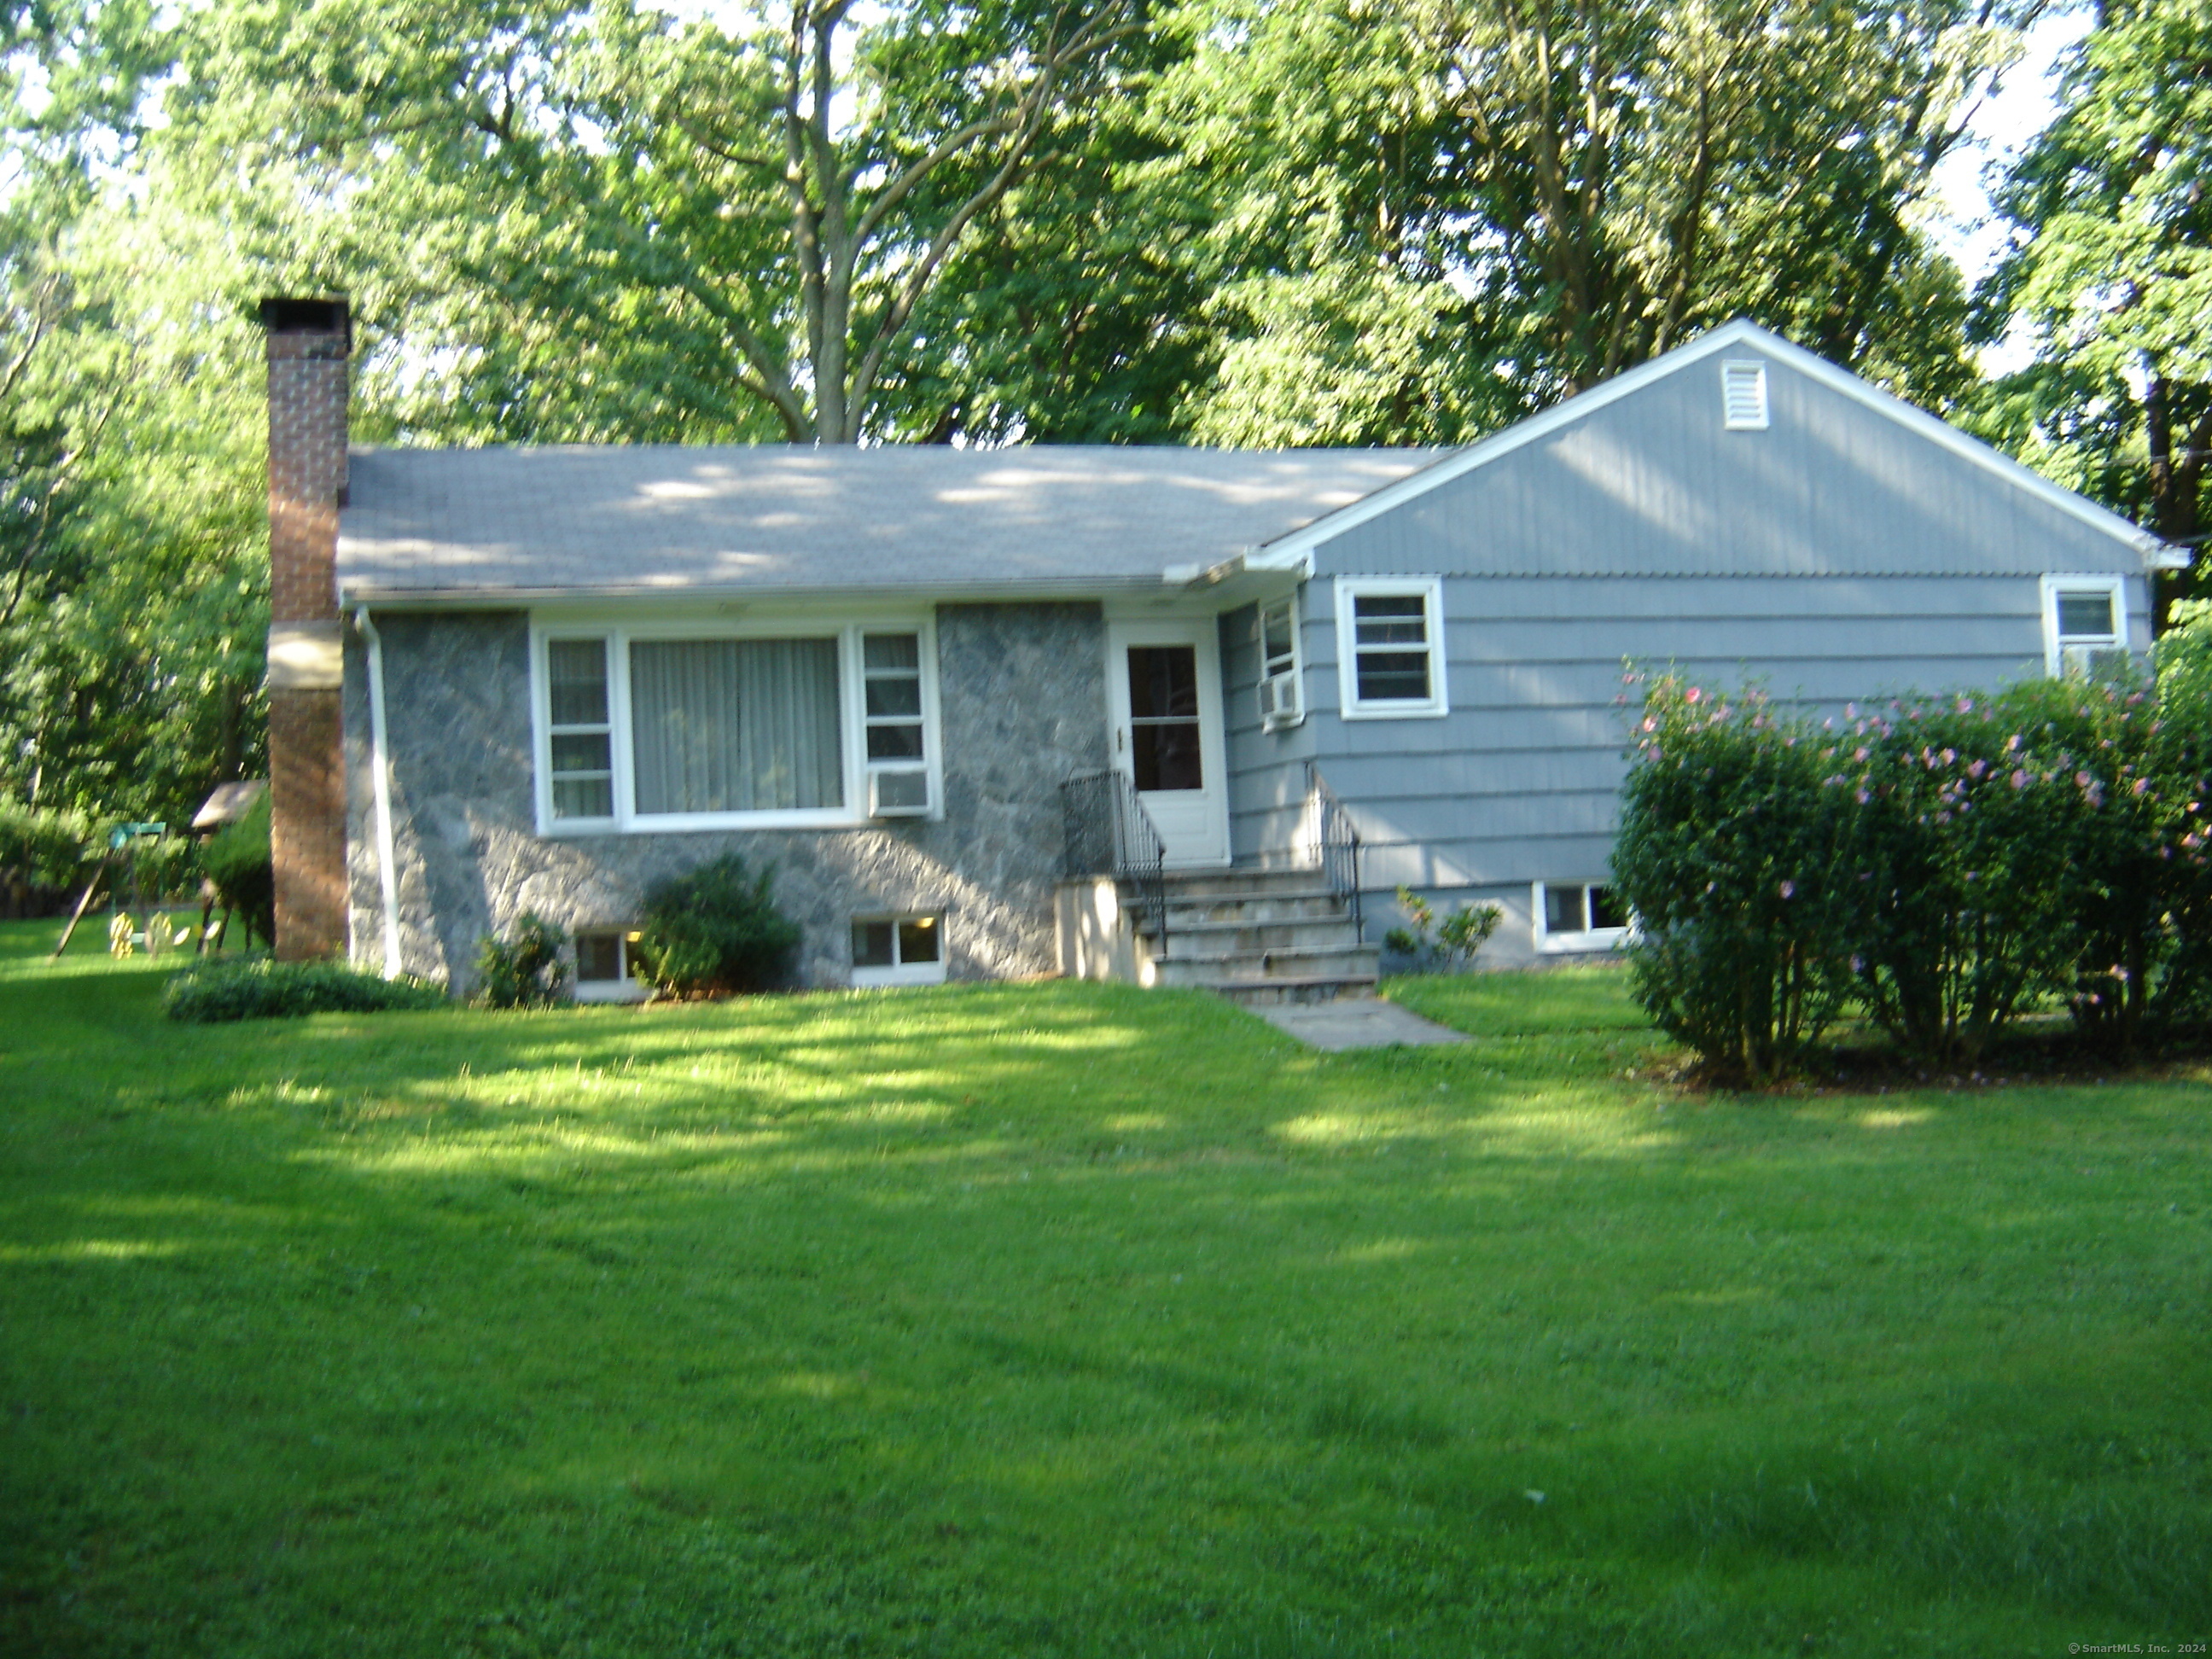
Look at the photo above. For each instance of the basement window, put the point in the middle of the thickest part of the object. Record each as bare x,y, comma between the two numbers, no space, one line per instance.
898,950
1743,396
2085,619
605,972
1578,916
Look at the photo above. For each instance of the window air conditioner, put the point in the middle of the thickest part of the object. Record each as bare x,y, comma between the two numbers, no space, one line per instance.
1278,701
902,794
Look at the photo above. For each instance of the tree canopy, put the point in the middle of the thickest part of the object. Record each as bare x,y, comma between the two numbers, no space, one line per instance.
1241,221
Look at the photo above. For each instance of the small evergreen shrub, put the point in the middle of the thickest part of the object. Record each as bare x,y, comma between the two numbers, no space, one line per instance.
715,931
1448,946
221,988
237,861
527,970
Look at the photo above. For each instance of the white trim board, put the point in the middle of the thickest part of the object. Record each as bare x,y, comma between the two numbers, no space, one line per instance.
1296,549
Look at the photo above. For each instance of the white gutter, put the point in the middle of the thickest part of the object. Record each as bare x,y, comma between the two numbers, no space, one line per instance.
379,772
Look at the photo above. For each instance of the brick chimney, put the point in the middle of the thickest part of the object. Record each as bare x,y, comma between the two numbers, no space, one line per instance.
308,341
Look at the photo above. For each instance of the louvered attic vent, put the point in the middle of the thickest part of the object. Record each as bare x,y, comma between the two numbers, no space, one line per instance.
1743,396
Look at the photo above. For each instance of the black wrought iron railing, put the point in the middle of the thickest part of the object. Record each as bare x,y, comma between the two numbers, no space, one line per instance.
1336,845
1110,834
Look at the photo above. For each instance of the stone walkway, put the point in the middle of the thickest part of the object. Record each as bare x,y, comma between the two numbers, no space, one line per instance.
1356,1023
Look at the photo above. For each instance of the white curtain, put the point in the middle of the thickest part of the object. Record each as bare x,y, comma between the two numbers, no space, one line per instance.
736,725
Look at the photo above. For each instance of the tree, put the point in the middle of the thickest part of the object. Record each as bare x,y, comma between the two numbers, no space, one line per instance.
2110,270
769,208
1483,205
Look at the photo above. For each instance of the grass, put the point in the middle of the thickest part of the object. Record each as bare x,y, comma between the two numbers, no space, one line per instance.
1059,1319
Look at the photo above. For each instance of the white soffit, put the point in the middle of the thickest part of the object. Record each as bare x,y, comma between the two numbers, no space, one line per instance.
1289,551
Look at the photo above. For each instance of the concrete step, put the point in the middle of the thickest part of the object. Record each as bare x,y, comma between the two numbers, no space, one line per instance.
1209,968
1231,909
1248,882
1278,993
1248,935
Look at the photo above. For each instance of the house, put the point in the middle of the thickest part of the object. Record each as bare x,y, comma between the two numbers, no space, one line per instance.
931,685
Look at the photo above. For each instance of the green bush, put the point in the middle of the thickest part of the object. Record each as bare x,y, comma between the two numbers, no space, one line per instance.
46,848
237,861
224,988
2180,762
525,971
715,931
1448,946
1730,857
1949,862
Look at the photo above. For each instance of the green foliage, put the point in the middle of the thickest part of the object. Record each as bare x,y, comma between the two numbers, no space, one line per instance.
237,861
1448,946
2112,274
45,848
1732,856
1468,209
525,970
715,931
219,989
1949,862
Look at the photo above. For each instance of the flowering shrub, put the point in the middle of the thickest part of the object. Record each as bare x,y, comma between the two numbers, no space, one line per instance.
1947,861
1730,855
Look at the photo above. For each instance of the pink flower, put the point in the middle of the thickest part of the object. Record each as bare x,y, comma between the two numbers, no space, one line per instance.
2020,780
1789,888
1864,798
1695,696
2141,784
2014,744
1978,769
1650,725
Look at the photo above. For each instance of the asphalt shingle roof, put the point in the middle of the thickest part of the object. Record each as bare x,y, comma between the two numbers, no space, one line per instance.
484,523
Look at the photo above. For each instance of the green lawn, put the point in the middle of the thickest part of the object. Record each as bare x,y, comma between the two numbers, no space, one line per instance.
1060,1319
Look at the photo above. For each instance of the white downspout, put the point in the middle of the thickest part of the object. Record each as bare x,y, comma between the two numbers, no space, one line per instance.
379,772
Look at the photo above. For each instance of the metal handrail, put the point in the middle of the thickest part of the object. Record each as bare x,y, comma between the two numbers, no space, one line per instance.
1336,845
1109,833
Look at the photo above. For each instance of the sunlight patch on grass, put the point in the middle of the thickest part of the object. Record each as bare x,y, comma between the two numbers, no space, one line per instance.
1384,1249
92,1250
1893,1117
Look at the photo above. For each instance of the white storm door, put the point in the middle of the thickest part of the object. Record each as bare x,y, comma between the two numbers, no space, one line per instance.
1164,681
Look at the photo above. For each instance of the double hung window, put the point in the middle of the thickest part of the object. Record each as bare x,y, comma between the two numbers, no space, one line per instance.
1282,693
1390,647
665,727
2084,617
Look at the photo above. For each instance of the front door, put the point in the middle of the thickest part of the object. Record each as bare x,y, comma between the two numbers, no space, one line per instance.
1166,689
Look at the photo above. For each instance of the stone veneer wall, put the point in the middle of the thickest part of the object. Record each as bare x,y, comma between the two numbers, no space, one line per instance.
1022,691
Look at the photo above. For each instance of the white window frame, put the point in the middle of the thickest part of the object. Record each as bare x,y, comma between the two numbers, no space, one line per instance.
621,632
1430,591
1584,939
902,973
1286,707
2057,648
1751,372
627,988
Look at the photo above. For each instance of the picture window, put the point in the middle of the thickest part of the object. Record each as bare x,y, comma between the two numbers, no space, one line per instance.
651,728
